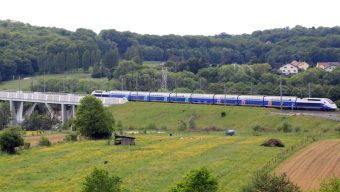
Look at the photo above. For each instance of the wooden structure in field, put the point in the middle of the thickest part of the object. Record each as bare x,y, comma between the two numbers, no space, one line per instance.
124,140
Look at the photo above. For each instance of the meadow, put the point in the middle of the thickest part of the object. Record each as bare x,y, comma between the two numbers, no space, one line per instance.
158,160
141,115
156,163
24,84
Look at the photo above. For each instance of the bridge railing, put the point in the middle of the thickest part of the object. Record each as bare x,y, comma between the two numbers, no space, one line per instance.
53,98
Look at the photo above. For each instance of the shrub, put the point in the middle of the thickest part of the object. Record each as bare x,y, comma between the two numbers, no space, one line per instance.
10,138
71,137
333,185
44,142
325,130
198,180
337,103
286,127
223,114
182,126
27,145
271,183
297,129
273,143
192,122
337,130
100,181
257,128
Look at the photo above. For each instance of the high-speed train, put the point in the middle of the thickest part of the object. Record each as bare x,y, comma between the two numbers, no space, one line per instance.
288,102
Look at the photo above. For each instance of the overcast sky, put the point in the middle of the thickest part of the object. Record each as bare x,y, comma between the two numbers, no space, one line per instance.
182,17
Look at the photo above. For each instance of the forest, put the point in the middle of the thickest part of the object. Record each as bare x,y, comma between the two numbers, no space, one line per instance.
195,63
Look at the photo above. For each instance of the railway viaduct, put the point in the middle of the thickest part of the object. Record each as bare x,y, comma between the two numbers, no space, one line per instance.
67,102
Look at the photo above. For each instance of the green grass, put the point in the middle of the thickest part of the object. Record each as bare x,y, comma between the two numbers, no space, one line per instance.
152,63
141,115
24,84
156,163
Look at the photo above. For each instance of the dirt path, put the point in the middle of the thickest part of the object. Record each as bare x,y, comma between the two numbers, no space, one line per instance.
54,138
317,162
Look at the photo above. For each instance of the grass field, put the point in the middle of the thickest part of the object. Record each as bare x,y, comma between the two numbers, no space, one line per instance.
142,115
24,84
154,164
158,160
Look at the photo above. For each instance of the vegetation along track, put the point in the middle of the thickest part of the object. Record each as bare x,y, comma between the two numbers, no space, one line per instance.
315,163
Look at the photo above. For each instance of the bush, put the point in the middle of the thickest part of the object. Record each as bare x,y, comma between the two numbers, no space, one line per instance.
297,129
333,185
337,103
151,126
10,138
44,142
286,127
192,122
182,126
273,143
198,180
223,114
71,137
257,128
337,130
27,145
271,183
100,181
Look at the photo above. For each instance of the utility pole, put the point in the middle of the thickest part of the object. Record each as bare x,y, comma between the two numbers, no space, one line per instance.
309,92
44,83
122,86
137,82
200,84
19,83
251,88
225,93
280,93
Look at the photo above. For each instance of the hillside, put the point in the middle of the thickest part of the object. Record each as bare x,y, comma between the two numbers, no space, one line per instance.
140,115
27,49
156,163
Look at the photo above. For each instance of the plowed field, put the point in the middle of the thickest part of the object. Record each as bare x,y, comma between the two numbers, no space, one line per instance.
54,138
315,163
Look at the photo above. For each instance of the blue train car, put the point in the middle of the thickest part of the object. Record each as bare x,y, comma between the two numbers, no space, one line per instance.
275,101
180,97
139,96
202,98
250,100
220,99
120,94
159,97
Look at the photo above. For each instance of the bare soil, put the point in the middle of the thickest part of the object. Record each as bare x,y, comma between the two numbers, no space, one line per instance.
317,162
54,138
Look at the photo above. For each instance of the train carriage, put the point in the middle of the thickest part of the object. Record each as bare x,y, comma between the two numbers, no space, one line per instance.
139,96
220,99
159,97
120,94
180,97
202,98
275,101
250,100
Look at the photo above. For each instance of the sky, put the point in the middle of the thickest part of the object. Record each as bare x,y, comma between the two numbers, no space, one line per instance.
180,17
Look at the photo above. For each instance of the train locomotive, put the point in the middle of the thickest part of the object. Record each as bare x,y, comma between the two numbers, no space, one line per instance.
286,102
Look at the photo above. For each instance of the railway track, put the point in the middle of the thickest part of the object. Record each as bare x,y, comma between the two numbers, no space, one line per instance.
332,115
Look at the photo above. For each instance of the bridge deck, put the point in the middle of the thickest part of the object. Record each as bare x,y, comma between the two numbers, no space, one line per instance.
55,98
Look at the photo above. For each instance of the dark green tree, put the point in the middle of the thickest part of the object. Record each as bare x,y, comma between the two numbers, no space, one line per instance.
93,120
10,138
198,180
100,181
4,114
37,122
111,58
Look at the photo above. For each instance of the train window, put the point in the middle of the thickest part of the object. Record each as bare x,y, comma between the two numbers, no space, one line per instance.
313,99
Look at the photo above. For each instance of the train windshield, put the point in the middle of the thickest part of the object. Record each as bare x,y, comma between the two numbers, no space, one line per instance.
330,101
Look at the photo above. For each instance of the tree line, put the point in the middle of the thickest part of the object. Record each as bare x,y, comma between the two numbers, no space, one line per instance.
27,50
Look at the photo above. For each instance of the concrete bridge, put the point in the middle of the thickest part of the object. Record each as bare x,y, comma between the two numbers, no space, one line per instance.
67,102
